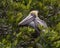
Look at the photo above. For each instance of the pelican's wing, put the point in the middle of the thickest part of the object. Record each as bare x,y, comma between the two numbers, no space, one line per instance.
41,22
27,20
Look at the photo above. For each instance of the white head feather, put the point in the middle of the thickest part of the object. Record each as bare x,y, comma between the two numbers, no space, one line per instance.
35,12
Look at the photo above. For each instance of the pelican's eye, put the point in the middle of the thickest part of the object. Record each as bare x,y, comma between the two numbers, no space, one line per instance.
33,15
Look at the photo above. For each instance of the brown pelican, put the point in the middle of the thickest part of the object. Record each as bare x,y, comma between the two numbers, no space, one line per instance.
33,20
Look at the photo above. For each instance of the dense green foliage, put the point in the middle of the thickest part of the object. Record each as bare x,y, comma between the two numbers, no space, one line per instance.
13,11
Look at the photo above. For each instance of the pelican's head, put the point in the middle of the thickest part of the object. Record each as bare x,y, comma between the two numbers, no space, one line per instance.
34,12
29,18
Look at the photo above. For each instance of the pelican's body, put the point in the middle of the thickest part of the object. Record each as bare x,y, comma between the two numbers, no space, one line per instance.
33,20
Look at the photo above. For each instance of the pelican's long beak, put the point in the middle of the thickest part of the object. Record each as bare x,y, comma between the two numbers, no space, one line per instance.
27,20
